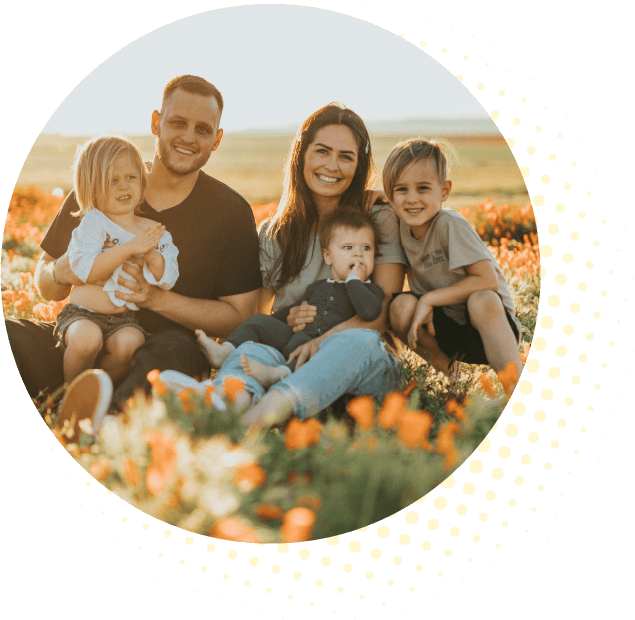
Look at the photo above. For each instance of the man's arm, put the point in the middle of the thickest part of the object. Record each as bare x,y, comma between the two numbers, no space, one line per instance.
45,283
216,318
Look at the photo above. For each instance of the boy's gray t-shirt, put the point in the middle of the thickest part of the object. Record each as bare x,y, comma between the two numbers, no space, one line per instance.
315,268
439,260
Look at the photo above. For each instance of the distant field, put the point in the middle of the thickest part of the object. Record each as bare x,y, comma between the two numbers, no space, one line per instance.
253,165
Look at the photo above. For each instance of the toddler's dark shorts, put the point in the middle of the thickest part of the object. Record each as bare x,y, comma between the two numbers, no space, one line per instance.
107,323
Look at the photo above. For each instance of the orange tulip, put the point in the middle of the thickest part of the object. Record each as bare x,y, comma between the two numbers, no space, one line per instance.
487,385
394,405
163,456
25,278
268,512
100,469
445,442
361,409
231,387
453,408
413,427
233,529
250,476
185,396
508,378
131,472
411,386
297,525
301,434
155,381
525,354
309,501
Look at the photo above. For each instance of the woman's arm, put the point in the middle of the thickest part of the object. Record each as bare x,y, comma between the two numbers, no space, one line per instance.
390,277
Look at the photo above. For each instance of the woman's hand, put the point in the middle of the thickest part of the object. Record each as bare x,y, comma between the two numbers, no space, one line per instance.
306,351
140,289
372,196
300,316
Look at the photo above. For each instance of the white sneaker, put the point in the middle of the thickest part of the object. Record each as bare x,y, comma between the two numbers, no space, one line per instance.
177,381
84,404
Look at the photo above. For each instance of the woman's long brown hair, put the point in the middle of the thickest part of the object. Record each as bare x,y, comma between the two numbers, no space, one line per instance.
297,214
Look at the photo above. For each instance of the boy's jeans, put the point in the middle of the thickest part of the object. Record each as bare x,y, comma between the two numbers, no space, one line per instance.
354,361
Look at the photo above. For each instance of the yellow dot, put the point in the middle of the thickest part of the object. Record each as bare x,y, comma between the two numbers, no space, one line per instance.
232,555
546,322
422,43
483,516
204,569
461,510
447,554
476,467
354,546
511,143
246,583
375,553
533,437
333,541
553,301
560,207
167,533
553,229
490,496
397,561
383,532
561,351
538,128
419,567
543,272
575,308
494,114
562,423
561,279
504,452
582,286
552,157
254,561
304,554
189,540
568,330
512,502
516,121
511,430
211,547
283,548
554,444
568,401
545,178
596,315
547,466
497,473
525,459
340,589
519,480
146,526
412,517
603,293
575,379
459,78
546,250
540,344
404,539
567,185
583,358
524,171
531,150
484,446
469,488
501,93
518,409
525,387
275,568
297,575
326,561
575,236
547,394
532,365
318,582
268,590
590,336
369,575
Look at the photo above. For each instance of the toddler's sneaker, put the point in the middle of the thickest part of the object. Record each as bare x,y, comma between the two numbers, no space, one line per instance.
84,405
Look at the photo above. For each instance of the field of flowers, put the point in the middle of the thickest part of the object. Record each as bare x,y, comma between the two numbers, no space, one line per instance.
177,458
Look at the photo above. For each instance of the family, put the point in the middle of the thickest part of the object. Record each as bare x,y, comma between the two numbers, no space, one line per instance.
161,260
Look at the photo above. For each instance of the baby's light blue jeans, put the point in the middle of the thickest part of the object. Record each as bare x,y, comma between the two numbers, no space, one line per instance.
354,361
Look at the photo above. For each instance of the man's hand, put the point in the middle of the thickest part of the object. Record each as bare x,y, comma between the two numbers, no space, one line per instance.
306,351
140,290
422,316
300,316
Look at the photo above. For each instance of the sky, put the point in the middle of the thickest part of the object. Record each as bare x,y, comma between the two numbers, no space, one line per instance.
274,64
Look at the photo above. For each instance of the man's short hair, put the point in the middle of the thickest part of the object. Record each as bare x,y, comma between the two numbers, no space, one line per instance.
194,85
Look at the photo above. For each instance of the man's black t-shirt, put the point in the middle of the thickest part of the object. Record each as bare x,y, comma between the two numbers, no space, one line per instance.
215,232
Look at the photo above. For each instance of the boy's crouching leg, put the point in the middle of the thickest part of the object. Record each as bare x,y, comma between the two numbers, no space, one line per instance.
402,309
485,307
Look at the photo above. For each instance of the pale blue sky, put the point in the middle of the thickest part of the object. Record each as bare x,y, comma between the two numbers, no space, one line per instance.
274,65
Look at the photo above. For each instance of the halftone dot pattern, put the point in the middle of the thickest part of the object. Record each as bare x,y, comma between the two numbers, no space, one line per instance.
453,518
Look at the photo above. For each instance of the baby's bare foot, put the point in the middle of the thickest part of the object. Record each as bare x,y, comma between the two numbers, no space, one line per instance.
215,353
265,375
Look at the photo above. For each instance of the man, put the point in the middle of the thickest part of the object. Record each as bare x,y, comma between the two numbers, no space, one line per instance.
212,226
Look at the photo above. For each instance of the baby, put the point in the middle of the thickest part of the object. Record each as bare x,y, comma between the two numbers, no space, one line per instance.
349,241
109,186
459,306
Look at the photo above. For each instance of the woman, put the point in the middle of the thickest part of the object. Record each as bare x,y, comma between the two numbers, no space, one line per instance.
329,166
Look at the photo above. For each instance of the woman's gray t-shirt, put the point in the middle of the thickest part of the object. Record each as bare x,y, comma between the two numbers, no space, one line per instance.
315,268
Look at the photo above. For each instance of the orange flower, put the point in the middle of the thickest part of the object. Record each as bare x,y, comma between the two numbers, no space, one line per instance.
186,400
155,381
361,409
250,476
100,469
209,390
233,529
508,378
487,385
453,408
297,525
300,434
413,427
131,472
523,356
231,387
411,386
303,479
24,277
310,501
449,458
10,254
163,456
394,405
445,437
268,512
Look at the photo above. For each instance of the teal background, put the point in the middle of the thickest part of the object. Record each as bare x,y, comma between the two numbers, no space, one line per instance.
61,559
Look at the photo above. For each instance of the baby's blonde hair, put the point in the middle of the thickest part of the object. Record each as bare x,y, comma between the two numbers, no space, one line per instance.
92,169
417,149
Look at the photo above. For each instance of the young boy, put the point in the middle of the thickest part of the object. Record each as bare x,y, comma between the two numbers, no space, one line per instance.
459,306
349,241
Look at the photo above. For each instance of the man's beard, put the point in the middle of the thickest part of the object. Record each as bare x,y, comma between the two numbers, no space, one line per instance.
166,155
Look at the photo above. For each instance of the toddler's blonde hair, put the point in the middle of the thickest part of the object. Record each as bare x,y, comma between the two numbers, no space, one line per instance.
417,149
92,169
